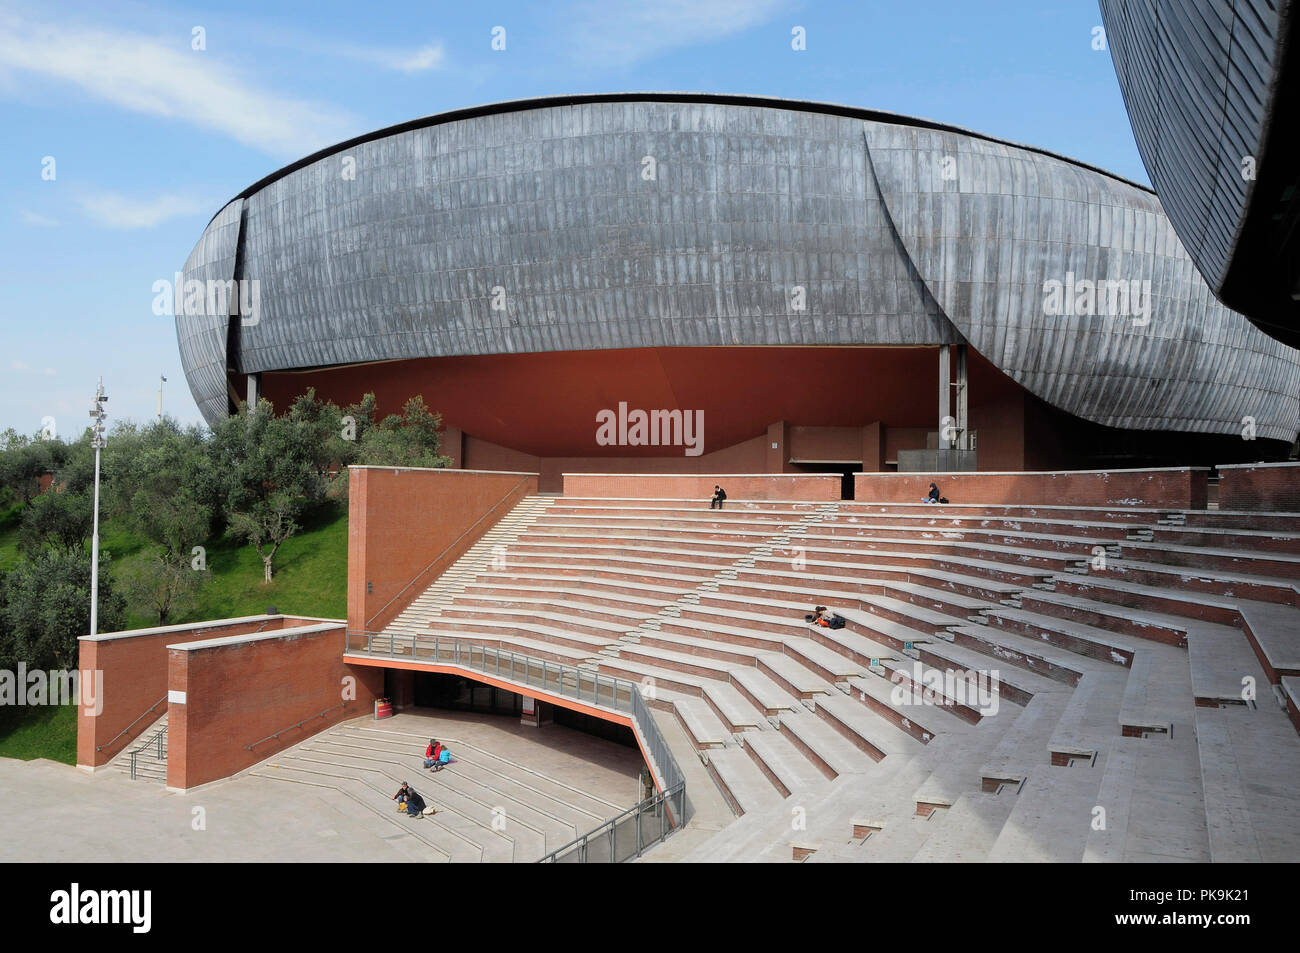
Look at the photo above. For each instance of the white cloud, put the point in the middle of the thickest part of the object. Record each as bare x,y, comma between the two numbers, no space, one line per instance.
159,78
402,61
29,217
119,211
619,32
17,365
49,372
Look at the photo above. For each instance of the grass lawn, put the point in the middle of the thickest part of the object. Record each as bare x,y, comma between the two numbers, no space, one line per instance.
311,575
49,732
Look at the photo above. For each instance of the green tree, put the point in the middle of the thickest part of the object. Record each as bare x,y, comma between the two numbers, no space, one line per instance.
45,607
408,439
60,519
274,472
164,588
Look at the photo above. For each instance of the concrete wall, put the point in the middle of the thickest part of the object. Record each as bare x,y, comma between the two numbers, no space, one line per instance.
1260,486
1179,488
229,693
739,487
406,526
134,667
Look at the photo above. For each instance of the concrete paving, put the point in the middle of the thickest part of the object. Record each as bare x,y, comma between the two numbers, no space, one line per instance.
57,813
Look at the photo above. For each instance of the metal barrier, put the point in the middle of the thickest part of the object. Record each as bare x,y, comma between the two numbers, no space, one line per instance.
159,740
617,839
130,726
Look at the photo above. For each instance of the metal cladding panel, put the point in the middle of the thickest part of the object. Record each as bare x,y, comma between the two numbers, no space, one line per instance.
1189,365
553,207
395,246
201,333
1197,79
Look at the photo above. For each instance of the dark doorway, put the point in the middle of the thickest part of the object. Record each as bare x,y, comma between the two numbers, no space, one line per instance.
844,469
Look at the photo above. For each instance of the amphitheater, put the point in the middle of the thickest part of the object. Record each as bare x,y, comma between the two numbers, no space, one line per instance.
1013,682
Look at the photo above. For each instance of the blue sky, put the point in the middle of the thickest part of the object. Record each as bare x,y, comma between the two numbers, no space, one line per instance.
150,136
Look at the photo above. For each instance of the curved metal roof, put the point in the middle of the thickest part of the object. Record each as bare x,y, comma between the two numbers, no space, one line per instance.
545,200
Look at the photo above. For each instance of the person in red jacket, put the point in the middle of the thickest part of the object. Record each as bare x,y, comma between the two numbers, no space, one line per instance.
431,753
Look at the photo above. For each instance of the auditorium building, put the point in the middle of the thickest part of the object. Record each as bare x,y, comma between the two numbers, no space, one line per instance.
686,283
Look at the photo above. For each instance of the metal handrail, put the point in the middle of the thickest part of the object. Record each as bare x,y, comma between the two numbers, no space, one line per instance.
565,681
657,804
130,726
416,578
160,737
319,714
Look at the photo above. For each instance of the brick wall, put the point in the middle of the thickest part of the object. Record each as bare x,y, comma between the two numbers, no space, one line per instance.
409,523
1182,488
134,667
1260,486
739,487
237,692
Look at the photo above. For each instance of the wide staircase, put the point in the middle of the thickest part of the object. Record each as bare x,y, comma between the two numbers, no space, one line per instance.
1048,683
147,755
488,808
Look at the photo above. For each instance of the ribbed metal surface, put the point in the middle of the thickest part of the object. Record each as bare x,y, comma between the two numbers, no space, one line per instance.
202,336
986,242
1196,78
550,205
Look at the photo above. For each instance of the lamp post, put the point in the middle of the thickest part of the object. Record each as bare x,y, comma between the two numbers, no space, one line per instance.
161,380
97,413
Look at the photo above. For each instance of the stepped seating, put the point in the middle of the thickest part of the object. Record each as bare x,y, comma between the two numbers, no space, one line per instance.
487,809
1003,668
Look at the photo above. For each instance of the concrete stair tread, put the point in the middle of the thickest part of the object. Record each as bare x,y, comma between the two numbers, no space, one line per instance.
734,706
1161,619
789,670
743,780
1111,640
786,762
867,725
934,720
801,649
1024,744
540,619
701,724
967,831
1248,760
585,598
1276,630
966,659
596,582
767,692
827,743
1051,817
1002,639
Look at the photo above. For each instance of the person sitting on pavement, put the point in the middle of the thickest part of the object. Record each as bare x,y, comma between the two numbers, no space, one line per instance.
719,494
408,801
431,753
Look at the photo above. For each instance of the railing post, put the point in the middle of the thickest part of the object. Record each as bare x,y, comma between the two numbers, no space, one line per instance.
161,734
132,765
639,812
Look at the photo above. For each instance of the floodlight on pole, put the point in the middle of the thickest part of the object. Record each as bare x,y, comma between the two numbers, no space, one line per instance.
161,380
98,414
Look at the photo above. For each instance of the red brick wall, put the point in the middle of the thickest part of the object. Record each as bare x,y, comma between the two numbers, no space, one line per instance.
1273,487
749,456
409,523
739,487
135,676
236,695
1183,488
